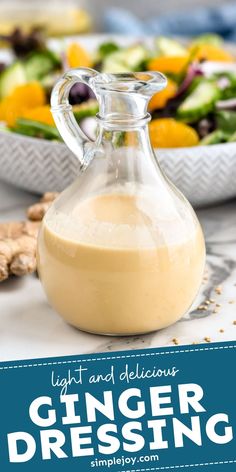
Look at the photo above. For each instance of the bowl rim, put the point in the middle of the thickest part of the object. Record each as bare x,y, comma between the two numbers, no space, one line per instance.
175,150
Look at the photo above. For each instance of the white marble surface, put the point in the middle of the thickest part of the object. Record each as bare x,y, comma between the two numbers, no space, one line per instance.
29,328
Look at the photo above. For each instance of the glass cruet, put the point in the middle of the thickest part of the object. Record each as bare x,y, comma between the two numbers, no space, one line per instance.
120,251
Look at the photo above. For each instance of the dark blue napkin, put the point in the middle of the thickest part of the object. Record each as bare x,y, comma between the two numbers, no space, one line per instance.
221,20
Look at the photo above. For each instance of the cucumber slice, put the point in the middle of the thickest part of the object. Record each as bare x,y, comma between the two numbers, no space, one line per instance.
125,60
216,137
169,47
200,102
208,38
36,129
114,64
135,56
12,77
86,109
40,64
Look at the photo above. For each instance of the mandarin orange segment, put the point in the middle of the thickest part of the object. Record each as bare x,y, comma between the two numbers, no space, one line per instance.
169,133
9,112
169,64
77,56
42,114
30,95
160,99
210,52
26,96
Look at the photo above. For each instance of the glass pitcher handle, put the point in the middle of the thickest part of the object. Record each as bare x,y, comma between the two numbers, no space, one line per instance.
62,112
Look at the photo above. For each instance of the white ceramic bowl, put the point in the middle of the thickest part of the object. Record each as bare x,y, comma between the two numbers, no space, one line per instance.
205,174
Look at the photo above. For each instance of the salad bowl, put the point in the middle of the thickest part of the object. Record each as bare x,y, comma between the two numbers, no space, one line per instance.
205,173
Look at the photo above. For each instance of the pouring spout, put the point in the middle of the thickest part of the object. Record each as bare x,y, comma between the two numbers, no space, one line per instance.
126,96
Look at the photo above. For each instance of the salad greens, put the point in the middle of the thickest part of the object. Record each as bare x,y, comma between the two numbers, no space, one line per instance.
36,129
107,48
201,97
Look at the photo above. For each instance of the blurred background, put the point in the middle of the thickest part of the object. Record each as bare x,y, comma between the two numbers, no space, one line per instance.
60,17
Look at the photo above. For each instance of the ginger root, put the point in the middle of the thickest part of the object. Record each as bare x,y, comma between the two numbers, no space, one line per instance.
18,240
37,211
18,248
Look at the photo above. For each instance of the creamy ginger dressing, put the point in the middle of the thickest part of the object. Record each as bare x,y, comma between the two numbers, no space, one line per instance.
114,266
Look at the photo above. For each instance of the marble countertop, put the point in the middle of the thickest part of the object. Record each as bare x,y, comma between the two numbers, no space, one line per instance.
29,328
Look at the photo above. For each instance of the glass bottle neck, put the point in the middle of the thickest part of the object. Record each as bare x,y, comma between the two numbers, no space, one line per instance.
122,106
133,136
